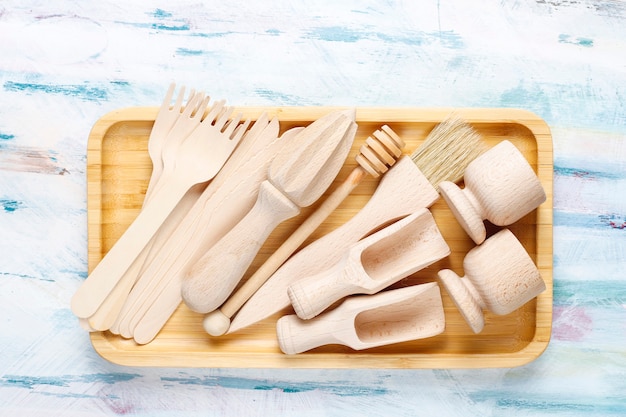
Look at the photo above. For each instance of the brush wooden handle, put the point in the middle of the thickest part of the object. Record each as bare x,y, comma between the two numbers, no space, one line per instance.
211,280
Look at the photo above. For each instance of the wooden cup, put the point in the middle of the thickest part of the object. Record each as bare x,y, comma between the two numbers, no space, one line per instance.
499,276
500,186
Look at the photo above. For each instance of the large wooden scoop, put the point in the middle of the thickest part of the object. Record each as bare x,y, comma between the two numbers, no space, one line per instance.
372,264
297,177
366,321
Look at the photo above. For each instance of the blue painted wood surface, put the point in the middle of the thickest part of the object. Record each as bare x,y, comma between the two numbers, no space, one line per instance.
63,64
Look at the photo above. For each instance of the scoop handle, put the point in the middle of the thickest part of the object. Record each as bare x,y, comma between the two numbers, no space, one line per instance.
210,281
297,336
312,295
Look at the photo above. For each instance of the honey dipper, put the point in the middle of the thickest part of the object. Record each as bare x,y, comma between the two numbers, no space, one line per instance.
379,152
408,186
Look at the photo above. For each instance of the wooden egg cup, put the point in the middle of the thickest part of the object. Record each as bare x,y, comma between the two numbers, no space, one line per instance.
499,276
500,186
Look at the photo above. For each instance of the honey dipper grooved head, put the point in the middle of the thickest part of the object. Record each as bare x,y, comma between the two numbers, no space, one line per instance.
380,151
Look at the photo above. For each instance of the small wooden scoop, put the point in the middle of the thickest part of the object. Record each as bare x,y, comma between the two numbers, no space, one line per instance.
297,177
373,264
367,321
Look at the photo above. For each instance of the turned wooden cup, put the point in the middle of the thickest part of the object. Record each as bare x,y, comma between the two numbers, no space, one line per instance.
500,186
499,277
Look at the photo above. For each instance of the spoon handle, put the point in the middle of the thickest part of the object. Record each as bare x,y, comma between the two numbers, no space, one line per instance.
211,280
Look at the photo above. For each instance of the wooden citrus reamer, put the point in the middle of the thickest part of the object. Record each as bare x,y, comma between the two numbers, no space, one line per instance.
379,152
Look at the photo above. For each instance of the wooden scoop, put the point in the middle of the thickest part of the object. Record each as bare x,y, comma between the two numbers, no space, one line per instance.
373,264
367,321
297,177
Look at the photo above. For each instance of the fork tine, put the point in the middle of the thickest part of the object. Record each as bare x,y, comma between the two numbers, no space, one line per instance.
192,105
167,101
179,99
240,131
232,124
202,107
223,117
214,112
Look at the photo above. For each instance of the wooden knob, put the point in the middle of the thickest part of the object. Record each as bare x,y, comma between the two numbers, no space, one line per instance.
380,151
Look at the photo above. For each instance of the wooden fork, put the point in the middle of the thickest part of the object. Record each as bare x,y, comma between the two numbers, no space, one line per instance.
197,160
163,123
184,124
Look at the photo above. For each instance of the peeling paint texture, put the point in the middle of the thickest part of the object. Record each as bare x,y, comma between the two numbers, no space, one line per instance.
64,64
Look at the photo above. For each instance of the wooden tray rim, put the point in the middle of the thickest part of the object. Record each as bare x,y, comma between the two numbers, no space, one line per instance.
544,236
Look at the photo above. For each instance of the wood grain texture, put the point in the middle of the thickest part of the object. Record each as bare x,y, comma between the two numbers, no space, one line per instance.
511,340
65,64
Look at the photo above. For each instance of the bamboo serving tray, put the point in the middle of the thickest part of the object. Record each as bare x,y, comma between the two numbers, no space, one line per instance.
118,169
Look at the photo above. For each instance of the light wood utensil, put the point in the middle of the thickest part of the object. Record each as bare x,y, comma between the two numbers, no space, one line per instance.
500,277
379,152
165,119
372,264
198,159
183,126
297,177
222,205
367,321
408,186
500,186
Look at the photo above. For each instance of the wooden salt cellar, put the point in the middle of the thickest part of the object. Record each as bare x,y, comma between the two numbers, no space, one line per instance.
500,277
500,186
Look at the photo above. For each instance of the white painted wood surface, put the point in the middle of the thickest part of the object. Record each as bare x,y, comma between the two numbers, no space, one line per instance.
65,64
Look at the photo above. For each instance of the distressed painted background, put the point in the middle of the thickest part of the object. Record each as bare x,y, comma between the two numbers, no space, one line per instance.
63,64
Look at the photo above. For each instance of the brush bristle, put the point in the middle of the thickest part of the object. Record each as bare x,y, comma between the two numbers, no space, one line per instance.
448,150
